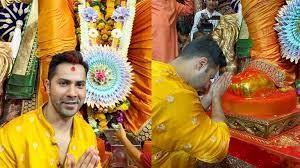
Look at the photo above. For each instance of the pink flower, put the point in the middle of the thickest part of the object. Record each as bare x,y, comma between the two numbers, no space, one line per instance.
100,75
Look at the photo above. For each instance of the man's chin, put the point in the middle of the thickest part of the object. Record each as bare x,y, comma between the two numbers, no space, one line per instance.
68,113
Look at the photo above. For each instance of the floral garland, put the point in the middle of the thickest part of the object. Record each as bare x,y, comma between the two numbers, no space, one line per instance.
104,22
104,32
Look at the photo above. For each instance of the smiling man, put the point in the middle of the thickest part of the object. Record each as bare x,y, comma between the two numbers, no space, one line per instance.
53,135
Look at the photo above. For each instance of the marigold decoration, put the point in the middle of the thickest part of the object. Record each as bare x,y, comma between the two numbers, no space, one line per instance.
104,31
288,28
103,17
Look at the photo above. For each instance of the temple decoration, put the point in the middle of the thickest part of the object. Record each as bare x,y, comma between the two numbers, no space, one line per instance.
58,17
260,19
226,35
106,23
104,32
288,28
109,78
6,62
6,3
22,82
259,103
243,47
138,117
260,100
11,17
18,25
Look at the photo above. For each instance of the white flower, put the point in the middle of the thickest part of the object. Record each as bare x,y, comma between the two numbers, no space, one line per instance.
170,99
195,121
213,139
116,33
187,147
93,33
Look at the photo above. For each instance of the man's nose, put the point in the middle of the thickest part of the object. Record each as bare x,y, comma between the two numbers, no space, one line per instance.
72,92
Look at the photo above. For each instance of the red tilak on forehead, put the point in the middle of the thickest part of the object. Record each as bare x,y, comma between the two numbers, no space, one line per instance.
73,68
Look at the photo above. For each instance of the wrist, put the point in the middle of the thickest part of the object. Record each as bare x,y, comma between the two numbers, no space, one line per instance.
215,99
208,96
123,139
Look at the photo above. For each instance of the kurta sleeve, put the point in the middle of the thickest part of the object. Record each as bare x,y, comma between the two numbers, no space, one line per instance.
182,125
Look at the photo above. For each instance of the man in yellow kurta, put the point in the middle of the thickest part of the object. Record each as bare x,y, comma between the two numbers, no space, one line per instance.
54,134
181,132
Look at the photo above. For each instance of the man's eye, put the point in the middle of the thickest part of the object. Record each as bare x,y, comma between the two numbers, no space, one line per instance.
63,83
80,85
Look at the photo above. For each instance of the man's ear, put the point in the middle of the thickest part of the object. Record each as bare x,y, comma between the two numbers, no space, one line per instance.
201,62
47,86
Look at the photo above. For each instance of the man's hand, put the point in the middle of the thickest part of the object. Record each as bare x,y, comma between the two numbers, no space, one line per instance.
120,133
90,159
133,152
219,87
216,90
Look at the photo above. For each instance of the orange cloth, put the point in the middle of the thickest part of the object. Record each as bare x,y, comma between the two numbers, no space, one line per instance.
56,34
260,19
56,28
164,15
275,104
139,54
43,75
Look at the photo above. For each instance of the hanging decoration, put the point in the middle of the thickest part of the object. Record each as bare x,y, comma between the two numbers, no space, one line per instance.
288,28
104,31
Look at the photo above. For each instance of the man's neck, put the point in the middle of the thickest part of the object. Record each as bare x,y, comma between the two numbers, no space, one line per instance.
179,69
59,123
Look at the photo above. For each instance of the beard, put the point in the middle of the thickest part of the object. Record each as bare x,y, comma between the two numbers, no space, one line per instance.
67,108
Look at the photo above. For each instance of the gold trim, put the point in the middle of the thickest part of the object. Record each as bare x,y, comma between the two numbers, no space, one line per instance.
274,72
264,128
24,53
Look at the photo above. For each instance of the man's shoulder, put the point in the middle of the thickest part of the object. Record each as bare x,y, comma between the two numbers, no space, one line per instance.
20,122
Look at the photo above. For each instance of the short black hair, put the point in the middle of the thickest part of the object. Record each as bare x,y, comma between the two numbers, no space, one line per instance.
207,47
72,57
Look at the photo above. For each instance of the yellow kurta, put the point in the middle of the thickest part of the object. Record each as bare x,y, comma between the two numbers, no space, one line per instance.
181,131
28,141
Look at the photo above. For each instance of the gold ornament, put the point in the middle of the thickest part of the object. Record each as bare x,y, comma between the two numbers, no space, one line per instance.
226,35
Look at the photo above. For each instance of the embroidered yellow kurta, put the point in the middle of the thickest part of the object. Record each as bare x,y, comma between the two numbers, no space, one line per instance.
28,141
182,133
